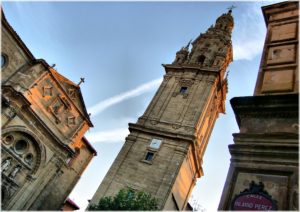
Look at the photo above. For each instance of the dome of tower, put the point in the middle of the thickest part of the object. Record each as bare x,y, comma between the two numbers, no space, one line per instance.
226,18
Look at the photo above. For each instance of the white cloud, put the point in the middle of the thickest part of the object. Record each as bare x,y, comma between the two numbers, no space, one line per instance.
249,33
115,135
102,105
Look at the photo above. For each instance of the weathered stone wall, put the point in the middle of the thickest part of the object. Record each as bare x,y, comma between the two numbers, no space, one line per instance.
278,72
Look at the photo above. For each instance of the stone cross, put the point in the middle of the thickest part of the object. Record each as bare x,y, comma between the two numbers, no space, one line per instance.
231,8
81,81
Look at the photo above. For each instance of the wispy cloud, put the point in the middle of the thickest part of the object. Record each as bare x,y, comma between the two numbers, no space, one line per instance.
249,33
115,135
104,104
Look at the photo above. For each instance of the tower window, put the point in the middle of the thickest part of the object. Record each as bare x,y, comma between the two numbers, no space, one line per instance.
183,90
201,59
21,146
149,156
4,60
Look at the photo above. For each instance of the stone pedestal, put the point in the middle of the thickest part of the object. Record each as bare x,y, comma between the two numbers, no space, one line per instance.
265,151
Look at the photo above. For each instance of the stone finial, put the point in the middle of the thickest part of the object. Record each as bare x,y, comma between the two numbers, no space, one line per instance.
188,45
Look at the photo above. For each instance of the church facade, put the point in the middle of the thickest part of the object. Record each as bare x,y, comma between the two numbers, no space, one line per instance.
43,122
163,153
264,169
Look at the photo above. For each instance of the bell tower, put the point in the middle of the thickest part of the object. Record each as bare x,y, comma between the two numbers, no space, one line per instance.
163,153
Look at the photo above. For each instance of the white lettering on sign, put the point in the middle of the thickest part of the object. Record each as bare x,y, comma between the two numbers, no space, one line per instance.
244,204
262,207
254,196
253,202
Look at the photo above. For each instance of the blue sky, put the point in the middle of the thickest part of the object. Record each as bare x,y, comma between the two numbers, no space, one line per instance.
118,47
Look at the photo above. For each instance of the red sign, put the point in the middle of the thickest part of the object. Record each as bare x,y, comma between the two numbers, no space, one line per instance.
253,202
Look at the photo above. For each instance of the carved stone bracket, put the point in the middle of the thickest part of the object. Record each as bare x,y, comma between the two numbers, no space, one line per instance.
167,78
186,82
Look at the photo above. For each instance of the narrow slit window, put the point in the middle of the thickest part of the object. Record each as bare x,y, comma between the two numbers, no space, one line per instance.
183,90
149,156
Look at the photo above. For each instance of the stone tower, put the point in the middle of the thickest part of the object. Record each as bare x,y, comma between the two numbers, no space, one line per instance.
163,153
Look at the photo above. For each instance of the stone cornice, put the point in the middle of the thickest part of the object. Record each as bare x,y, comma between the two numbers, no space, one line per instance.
264,153
267,137
163,133
208,70
271,106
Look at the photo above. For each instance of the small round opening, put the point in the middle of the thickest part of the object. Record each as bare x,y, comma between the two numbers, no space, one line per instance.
3,60
28,158
21,146
9,139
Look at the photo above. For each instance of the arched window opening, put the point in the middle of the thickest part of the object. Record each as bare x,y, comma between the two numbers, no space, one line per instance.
201,59
4,60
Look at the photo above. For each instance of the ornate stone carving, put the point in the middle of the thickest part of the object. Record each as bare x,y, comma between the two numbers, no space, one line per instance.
167,77
10,112
72,93
71,121
58,106
186,82
6,164
15,171
47,91
154,122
